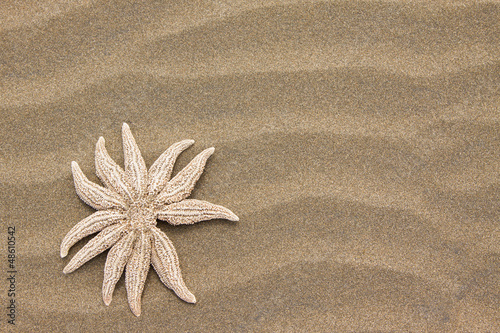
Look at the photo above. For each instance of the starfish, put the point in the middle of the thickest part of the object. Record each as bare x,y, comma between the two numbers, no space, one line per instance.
128,208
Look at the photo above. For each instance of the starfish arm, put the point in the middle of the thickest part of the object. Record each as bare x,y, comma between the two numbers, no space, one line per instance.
137,271
190,211
165,262
93,223
110,173
135,168
183,183
115,263
94,195
104,240
161,170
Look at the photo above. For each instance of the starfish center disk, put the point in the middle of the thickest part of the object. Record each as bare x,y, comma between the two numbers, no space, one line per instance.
142,215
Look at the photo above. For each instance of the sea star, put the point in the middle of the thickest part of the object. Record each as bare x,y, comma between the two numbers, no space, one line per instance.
127,211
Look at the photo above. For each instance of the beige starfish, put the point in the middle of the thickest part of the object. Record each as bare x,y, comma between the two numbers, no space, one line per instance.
128,208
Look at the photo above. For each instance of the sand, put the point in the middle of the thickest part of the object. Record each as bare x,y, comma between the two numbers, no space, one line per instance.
358,142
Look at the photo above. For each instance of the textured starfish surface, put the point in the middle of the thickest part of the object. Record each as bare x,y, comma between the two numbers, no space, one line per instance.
128,208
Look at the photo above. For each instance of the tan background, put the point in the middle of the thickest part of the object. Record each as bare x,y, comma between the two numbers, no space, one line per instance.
358,142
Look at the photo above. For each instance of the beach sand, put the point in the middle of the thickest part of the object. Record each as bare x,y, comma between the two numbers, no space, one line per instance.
357,141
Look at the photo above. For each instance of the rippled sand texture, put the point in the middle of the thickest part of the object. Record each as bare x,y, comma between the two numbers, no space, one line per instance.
358,142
